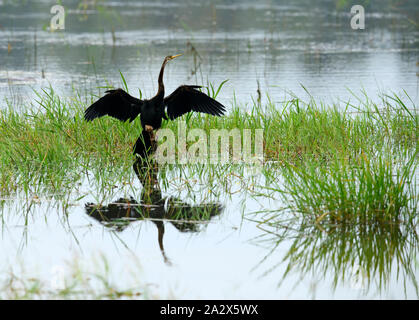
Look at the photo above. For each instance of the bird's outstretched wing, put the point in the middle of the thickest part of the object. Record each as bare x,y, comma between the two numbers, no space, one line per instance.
116,103
186,98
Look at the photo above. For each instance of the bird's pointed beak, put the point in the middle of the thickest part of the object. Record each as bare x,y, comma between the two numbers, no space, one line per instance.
175,56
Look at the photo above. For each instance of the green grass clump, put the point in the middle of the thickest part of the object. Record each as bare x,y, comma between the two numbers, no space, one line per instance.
352,222
48,147
365,190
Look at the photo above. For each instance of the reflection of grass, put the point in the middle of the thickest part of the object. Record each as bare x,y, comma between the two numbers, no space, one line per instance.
360,256
72,282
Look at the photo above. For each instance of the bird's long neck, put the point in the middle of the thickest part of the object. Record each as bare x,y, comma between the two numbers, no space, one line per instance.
161,85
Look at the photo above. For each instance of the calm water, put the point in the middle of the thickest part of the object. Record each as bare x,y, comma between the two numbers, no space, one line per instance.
282,45
227,256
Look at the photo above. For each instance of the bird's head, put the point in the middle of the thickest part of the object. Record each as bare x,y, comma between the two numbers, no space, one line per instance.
168,58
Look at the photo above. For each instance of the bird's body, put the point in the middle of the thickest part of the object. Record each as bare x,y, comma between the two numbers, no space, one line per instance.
186,98
152,112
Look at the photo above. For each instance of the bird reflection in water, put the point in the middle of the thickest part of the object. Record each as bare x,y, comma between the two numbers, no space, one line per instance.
152,206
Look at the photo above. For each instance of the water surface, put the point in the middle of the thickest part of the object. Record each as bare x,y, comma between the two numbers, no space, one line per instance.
281,45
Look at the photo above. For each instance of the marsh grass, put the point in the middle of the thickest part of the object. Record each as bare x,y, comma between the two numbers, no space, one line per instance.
353,223
347,176
368,189
48,147
51,146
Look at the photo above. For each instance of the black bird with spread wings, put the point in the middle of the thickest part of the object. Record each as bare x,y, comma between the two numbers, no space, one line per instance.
119,104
